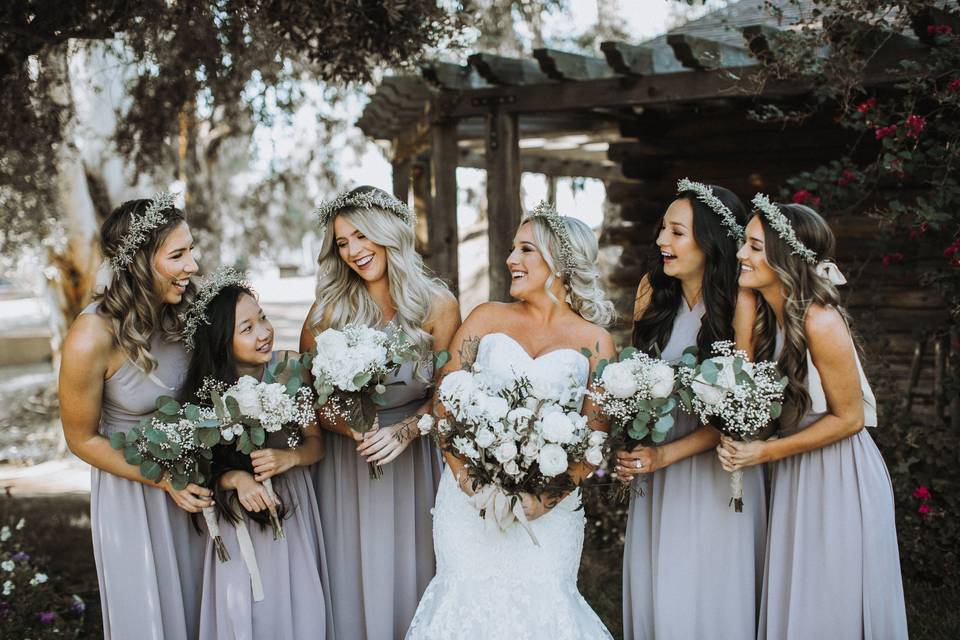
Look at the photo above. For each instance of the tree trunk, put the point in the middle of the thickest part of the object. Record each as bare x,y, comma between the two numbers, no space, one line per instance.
73,264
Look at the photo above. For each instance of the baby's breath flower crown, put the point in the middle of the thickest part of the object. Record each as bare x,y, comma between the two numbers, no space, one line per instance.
783,227
547,212
209,288
140,228
705,195
373,199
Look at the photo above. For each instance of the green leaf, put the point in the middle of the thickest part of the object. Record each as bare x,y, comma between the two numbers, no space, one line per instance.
168,406
233,407
627,353
118,440
586,353
669,405
688,360
133,435
155,436
686,400
641,420
218,406
151,470
293,385
243,443
132,456
378,399
258,436
441,359
208,437
658,436
775,410
638,433
361,379
663,424
601,366
191,412
178,482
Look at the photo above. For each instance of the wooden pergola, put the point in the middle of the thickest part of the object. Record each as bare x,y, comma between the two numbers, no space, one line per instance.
639,119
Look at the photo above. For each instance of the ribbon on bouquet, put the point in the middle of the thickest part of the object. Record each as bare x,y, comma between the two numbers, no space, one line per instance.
501,509
249,558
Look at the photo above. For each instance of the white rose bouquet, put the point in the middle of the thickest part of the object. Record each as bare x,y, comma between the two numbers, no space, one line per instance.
349,367
516,434
246,412
737,397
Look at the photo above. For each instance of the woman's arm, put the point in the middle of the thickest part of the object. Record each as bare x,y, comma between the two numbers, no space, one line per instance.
744,318
252,495
834,356
386,444
83,369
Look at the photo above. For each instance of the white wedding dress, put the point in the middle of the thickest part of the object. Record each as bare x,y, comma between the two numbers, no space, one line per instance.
492,584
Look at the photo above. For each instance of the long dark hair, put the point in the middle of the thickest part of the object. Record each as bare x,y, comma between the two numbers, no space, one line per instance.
213,357
652,331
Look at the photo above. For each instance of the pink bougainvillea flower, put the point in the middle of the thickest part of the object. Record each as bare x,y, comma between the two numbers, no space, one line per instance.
923,509
846,177
922,493
867,105
883,132
805,197
954,85
939,29
891,258
914,125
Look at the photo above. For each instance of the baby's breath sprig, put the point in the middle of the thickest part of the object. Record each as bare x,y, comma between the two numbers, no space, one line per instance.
783,227
705,195
211,286
547,212
375,199
140,228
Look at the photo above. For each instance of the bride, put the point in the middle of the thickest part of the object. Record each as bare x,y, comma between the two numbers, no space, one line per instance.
500,584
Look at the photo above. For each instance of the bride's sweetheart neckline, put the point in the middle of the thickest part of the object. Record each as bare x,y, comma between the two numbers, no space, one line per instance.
527,353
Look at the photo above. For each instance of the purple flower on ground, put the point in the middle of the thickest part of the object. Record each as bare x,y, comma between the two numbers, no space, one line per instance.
78,606
4,607
600,473
20,556
47,617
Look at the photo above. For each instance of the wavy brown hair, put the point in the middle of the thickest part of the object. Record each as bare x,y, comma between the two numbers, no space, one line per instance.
130,301
802,287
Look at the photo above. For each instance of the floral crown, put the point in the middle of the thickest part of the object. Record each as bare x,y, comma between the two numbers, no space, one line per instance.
705,195
211,286
373,199
140,228
546,212
783,227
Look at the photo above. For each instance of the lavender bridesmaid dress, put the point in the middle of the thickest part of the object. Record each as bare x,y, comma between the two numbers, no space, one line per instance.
691,564
379,533
292,570
149,557
832,565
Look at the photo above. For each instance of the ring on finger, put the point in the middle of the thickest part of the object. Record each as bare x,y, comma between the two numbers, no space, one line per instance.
638,464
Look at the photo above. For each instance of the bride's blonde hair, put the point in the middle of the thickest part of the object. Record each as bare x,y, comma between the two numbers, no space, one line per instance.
342,297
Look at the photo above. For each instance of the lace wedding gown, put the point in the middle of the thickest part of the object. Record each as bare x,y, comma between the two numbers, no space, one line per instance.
492,584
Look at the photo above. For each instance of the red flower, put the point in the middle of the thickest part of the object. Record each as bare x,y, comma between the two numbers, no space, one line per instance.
803,197
954,85
922,493
951,250
914,125
867,105
939,29
924,226
891,258
847,177
924,509
883,132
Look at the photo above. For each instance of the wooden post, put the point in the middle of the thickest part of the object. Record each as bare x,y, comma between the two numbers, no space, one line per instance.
422,202
442,238
503,196
552,190
401,179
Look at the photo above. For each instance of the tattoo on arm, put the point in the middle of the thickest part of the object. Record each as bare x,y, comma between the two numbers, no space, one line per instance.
468,351
408,430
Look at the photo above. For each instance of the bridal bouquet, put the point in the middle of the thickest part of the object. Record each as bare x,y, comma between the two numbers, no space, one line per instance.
249,410
177,441
349,367
737,397
516,434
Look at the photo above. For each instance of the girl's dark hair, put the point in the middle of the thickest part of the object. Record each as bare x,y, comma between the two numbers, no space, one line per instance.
213,357
652,331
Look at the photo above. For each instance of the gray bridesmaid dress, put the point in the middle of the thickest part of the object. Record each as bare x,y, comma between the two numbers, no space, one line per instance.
692,565
379,533
293,571
149,557
832,564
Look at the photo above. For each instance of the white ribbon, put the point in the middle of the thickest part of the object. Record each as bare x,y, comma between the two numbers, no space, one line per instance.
249,558
501,509
829,270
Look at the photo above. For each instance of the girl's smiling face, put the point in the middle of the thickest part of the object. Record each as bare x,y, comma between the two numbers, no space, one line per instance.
252,333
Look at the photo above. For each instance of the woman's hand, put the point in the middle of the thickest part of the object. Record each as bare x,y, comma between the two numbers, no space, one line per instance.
533,507
193,498
735,455
359,436
638,460
252,495
272,462
385,445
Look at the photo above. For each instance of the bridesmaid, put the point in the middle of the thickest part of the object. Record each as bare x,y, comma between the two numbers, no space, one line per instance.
692,564
121,353
379,531
832,563
231,337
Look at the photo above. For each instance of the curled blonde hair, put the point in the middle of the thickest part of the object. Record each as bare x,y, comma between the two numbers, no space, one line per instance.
581,278
342,297
130,301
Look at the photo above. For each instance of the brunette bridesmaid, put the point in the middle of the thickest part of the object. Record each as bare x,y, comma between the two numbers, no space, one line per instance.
692,564
121,353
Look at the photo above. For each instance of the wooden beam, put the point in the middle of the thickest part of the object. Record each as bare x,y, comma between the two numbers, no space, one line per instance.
699,53
550,167
628,59
503,196
560,65
442,236
447,75
507,71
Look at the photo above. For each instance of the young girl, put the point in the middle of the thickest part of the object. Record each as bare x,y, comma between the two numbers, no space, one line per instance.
832,564
692,565
231,337
378,531
121,353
